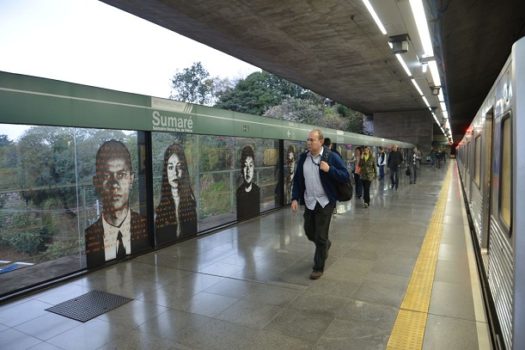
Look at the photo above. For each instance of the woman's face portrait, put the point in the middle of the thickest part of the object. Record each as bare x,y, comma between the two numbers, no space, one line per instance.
248,170
174,170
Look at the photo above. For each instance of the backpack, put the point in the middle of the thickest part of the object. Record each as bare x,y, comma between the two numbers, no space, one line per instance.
343,190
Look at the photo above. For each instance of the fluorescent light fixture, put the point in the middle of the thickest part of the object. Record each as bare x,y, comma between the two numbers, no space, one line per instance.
434,72
440,95
435,118
443,106
375,16
426,101
417,87
422,27
403,64
424,67
445,114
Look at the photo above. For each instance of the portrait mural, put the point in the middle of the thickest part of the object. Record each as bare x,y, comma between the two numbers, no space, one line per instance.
176,213
248,193
119,231
289,172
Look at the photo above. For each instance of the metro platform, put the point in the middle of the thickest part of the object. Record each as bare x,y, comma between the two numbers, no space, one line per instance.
400,274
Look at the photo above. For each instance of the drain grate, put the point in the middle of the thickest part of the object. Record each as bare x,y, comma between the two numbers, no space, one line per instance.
89,305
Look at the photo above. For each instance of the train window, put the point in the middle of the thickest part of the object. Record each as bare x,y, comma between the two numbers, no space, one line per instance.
505,195
477,160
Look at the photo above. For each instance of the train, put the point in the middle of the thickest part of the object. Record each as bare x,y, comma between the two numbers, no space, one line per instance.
491,163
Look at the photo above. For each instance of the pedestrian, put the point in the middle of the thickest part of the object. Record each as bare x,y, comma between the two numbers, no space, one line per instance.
395,159
368,173
412,165
381,162
314,186
356,171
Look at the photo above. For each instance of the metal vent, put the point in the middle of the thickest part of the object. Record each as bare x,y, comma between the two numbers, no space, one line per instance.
89,305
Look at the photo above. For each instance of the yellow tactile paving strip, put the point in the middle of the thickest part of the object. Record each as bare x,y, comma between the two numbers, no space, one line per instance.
409,328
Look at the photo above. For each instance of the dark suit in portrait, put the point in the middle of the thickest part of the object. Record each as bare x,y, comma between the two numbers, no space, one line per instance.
95,251
119,231
248,203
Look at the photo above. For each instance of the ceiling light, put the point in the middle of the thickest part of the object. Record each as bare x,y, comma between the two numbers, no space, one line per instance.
426,101
443,106
435,90
435,118
403,64
417,87
434,72
440,96
375,16
424,67
422,27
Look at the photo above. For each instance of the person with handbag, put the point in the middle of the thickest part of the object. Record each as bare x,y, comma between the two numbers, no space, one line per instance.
314,186
368,173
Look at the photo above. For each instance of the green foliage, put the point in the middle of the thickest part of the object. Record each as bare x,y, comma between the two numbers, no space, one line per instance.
297,110
355,122
258,92
193,85
214,197
25,242
315,113
26,235
60,249
342,110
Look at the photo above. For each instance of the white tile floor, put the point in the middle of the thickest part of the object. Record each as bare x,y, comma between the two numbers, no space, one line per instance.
247,287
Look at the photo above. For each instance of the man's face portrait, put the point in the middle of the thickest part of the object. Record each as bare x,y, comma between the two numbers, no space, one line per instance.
113,183
248,170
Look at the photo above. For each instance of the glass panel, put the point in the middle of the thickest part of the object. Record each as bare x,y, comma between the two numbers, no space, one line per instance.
216,181
292,150
506,173
175,163
48,198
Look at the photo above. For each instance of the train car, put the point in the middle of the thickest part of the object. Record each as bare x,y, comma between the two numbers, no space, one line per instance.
490,159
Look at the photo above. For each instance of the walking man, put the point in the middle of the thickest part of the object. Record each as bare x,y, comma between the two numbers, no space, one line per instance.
394,161
314,186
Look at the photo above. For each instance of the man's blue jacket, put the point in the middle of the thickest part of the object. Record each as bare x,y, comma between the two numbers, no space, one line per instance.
337,172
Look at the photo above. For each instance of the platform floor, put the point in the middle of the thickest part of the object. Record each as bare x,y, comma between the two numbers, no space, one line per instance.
247,287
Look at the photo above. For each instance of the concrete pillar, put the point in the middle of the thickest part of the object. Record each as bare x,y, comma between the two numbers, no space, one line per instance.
415,127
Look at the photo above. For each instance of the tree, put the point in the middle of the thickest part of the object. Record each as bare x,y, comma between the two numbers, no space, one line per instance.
193,85
258,92
296,110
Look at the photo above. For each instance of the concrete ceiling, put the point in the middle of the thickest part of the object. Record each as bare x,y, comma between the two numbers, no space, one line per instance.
334,48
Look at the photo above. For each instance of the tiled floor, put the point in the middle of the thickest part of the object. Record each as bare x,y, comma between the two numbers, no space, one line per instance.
247,287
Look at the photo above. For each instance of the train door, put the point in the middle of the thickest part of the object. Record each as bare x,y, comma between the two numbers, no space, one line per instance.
486,181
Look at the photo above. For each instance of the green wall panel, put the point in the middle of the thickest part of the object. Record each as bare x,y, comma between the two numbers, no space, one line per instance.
39,101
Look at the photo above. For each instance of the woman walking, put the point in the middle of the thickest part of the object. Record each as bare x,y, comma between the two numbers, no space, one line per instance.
368,173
